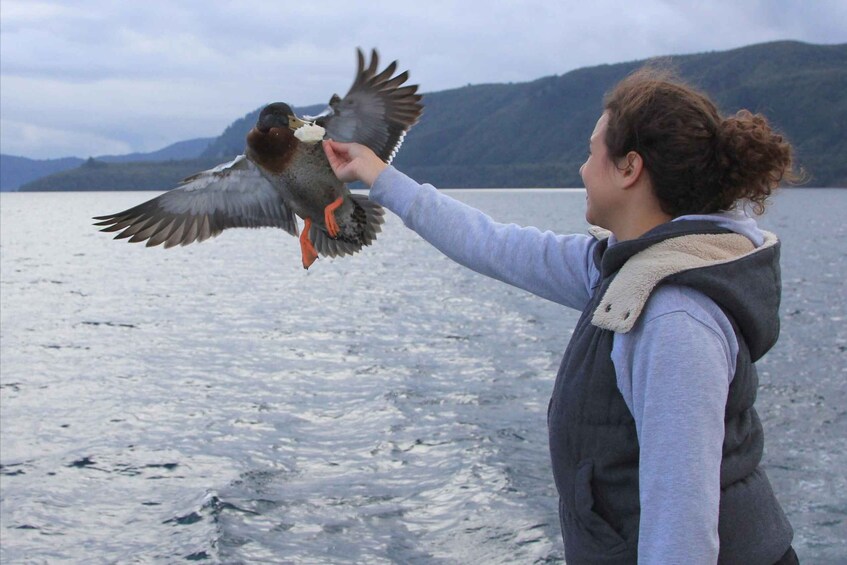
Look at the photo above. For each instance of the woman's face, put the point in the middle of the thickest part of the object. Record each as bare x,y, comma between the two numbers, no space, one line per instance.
597,176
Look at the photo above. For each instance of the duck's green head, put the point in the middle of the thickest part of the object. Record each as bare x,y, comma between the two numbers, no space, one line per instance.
278,115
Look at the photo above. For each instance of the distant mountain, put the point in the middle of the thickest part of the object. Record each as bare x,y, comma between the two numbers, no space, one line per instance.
17,171
535,133
99,175
190,149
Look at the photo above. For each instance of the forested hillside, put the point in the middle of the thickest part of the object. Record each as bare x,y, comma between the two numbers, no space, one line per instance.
17,171
535,134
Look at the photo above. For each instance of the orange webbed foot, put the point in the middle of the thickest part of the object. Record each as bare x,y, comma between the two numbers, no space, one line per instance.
329,217
307,250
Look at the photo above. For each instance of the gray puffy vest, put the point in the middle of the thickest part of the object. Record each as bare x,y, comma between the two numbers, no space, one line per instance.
593,442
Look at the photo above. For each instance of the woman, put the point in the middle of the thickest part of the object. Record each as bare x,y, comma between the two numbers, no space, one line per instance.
654,440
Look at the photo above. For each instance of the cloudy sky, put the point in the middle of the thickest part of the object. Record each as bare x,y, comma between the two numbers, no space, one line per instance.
93,77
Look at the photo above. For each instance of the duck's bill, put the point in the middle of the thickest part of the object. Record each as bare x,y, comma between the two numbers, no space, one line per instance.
294,122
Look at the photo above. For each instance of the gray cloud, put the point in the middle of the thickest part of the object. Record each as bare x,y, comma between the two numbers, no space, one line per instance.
109,77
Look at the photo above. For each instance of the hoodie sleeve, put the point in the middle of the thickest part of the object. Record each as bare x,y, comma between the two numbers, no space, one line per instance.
674,369
556,267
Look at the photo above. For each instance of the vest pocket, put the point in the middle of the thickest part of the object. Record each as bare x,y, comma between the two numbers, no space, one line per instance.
597,531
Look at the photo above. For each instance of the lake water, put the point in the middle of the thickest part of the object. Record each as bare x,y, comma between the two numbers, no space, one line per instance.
217,403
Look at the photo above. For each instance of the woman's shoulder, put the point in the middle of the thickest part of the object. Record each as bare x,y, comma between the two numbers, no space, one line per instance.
669,299
690,310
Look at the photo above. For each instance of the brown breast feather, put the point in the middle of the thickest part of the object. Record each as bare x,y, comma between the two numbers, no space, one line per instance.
274,150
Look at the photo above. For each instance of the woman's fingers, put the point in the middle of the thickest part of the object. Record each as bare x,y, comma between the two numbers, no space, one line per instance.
351,161
335,155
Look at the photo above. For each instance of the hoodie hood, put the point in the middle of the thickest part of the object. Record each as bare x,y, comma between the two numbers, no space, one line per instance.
725,256
736,221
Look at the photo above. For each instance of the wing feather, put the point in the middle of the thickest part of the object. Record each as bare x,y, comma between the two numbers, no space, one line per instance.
377,111
230,195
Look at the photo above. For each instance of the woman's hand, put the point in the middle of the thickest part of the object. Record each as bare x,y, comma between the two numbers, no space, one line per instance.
352,161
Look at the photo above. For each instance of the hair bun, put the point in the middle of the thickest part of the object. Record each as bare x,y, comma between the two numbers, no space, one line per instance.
753,157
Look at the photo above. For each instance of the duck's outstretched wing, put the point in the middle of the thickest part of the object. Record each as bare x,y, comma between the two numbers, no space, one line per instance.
231,195
376,112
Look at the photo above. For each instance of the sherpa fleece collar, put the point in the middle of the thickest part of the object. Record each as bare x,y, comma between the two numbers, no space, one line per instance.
626,296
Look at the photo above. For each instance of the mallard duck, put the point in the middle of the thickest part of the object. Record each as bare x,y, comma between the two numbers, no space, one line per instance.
284,172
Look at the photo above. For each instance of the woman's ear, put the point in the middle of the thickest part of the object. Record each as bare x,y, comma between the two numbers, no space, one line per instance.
630,169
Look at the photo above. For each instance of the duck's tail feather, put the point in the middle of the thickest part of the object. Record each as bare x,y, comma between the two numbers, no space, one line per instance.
365,222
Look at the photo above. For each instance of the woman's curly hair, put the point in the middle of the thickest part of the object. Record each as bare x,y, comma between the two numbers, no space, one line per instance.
698,162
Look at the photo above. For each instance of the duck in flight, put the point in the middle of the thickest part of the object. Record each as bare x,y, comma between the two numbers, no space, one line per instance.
284,172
